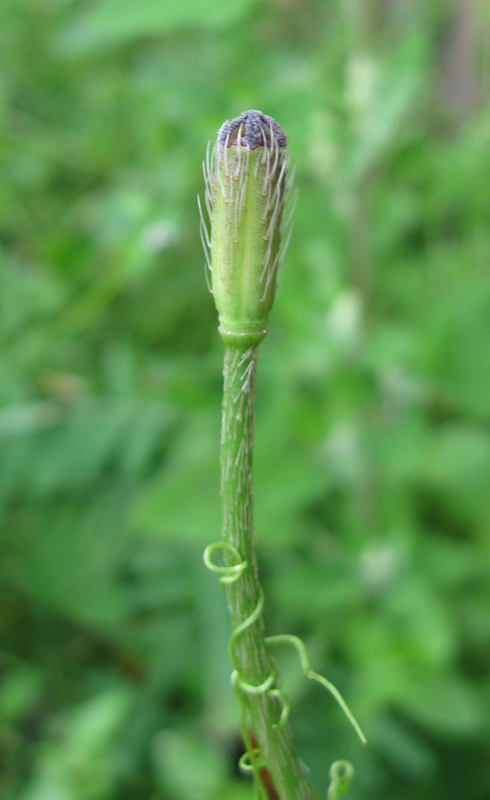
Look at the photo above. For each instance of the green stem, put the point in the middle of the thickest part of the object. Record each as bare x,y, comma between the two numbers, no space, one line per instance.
251,660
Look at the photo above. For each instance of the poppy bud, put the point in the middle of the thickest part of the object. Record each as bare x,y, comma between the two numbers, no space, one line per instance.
246,191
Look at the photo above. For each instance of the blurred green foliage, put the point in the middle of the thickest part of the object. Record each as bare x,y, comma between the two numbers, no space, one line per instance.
373,429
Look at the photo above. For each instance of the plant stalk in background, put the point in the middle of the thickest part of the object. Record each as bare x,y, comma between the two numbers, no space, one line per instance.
247,189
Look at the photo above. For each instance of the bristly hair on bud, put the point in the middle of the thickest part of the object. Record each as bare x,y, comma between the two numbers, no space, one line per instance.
250,206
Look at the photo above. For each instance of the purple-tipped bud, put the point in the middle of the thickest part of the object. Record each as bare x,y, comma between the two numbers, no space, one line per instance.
246,190
254,129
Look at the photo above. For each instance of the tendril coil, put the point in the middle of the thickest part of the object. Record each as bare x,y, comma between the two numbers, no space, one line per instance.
230,574
244,761
296,642
252,761
341,772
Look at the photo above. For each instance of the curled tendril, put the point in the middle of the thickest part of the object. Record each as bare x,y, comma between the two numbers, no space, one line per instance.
269,685
314,676
250,761
249,688
341,774
247,623
286,707
230,573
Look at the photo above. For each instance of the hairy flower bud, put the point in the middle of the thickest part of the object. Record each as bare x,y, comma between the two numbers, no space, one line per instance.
246,191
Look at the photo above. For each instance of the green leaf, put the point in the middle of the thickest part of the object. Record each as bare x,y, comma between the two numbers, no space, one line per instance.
184,500
114,22
191,766
19,691
444,703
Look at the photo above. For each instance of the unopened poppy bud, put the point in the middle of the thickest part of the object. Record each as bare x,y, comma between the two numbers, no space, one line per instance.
246,190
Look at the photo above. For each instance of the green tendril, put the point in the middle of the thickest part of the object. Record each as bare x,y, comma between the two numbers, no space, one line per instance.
230,573
249,688
314,676
341,774
247,623
245,761
286,707
251,761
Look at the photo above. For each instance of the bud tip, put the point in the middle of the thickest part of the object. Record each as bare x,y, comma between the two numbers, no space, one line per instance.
254,129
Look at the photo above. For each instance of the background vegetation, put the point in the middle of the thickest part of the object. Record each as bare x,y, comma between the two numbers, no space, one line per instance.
373,433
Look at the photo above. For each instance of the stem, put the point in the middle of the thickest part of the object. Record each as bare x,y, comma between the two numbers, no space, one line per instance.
247,647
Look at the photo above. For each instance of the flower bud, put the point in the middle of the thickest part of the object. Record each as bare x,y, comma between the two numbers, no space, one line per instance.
246,190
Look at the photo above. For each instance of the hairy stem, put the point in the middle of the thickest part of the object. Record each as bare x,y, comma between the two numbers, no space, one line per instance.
248,651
